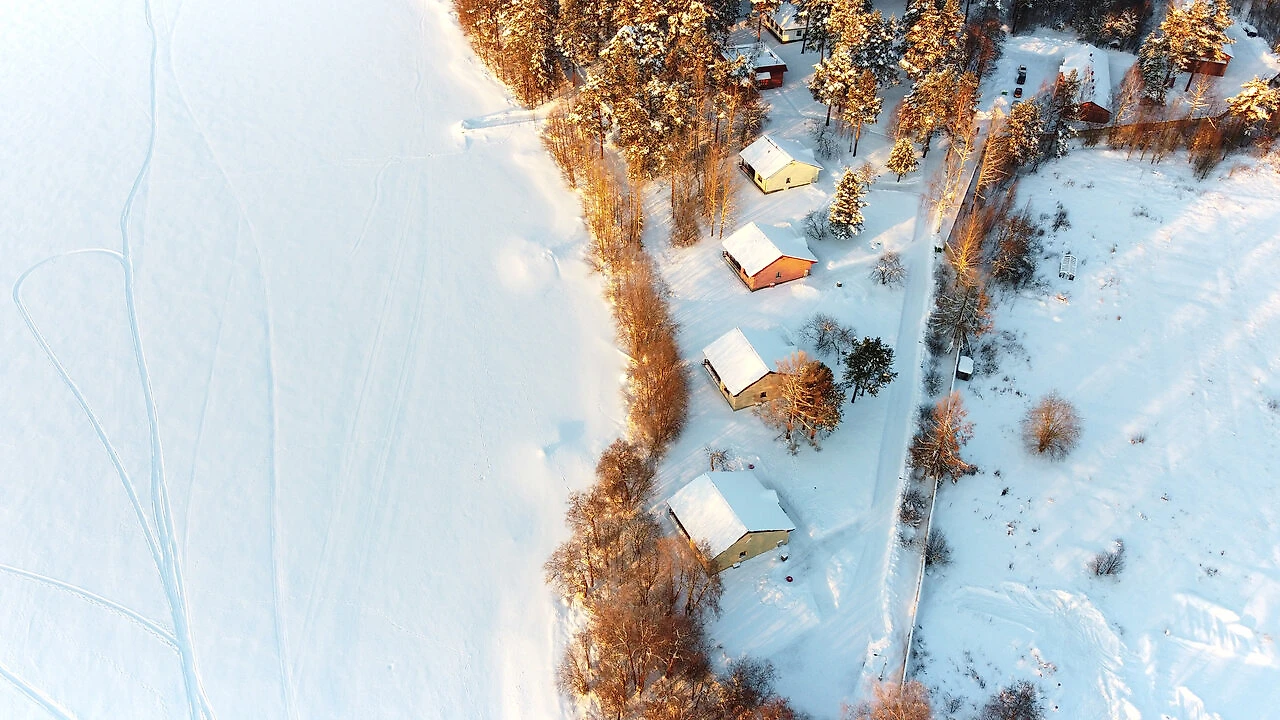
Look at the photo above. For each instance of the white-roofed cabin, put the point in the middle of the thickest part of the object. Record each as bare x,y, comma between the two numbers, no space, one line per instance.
766,68
1090,66
731,515
786,23
744,365
764,256
775,164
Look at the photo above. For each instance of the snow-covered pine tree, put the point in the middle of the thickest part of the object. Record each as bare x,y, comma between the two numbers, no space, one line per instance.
933,42
862,105
868,367
815,14
879,50
845,215
581,27
1203,33
528,49
832,78
902,159
1023,129
1256,103
760,8
1156,63
1061,110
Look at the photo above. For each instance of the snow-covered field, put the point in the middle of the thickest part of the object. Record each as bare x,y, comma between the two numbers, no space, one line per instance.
374,367
1167,343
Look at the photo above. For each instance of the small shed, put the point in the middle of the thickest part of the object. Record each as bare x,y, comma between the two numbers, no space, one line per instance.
774,164
1090,66
786,23
766,67
733,513
764,256
964,367
1214,66
744,365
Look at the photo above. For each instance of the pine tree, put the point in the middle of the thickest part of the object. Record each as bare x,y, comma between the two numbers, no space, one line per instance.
815,14
1256,103
1023,130
845,216
862,105
868,368
902,159
933,42
581,27
528,49
878,50
760,8
833,78
1061,110
1156,63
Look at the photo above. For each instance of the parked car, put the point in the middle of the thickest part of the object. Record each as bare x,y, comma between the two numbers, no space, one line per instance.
1017,92
1022,74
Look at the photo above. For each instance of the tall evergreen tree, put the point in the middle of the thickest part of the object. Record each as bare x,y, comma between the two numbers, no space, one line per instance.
902,159
1256,103
868,368
862,105
934,42
1155,59
1024,129
845,215
833,79
878,50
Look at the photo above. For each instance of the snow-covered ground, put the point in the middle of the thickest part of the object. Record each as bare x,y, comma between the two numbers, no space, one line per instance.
374,367
1166,342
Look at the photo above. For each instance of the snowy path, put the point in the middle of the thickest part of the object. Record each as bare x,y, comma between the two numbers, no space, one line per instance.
297,376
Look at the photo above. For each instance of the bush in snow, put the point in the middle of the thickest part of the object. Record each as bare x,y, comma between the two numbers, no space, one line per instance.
894,701
937,551
1020,701
828,335
889,270
1051,427
911,507
718,458
1108,562
816,225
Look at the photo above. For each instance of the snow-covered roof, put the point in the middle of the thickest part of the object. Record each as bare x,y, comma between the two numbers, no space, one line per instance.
720,507
770,155
1090,65
755,246
787,16
741,357
758,55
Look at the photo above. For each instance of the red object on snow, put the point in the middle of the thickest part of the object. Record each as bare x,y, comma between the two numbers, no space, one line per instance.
788,578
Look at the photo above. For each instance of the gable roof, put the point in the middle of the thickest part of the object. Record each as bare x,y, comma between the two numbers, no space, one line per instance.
787,16
757,55
769,155
1091,66
720,507
741,357
756,247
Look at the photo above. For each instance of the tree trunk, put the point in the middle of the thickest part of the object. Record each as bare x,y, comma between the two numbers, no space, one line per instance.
857,135
828,116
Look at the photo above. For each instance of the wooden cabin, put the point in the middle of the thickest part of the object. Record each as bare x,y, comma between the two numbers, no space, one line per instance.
744,365
786,23
776,164
1214,66
1090,66
730,514
765,67
764,256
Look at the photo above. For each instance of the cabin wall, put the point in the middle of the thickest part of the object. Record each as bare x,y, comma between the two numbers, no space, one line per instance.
749,546
1089,112
782,270
794,174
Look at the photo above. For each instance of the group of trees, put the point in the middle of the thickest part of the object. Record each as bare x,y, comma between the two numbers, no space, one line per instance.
643,651
1188,34
808,402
